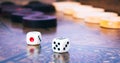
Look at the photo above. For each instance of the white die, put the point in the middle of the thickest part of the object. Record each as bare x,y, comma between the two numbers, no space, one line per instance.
33,38
60,58
60,45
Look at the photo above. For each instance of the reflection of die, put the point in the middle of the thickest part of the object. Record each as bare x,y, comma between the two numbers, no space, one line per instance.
61,58
60,45
33,38
33,50
33,53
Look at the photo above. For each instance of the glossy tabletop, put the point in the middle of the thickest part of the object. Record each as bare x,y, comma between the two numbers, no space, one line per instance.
89,43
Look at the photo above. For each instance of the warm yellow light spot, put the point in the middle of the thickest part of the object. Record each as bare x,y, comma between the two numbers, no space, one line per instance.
113,22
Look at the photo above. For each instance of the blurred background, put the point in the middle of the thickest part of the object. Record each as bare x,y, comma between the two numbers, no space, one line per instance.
109,5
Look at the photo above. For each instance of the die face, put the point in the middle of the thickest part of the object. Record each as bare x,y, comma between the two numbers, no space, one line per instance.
39,37
60,46
33,38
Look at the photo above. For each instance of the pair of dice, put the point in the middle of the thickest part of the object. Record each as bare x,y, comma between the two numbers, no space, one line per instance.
59,45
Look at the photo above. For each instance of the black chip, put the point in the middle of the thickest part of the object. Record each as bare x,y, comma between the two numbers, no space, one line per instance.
39,6
58,49
54,42
67,42
58,43
54,48
63,48
43,21
18,15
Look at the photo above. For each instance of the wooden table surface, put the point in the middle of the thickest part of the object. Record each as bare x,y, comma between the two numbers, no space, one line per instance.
89,43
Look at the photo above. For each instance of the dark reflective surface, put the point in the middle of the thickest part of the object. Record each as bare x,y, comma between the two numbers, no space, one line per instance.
89,43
